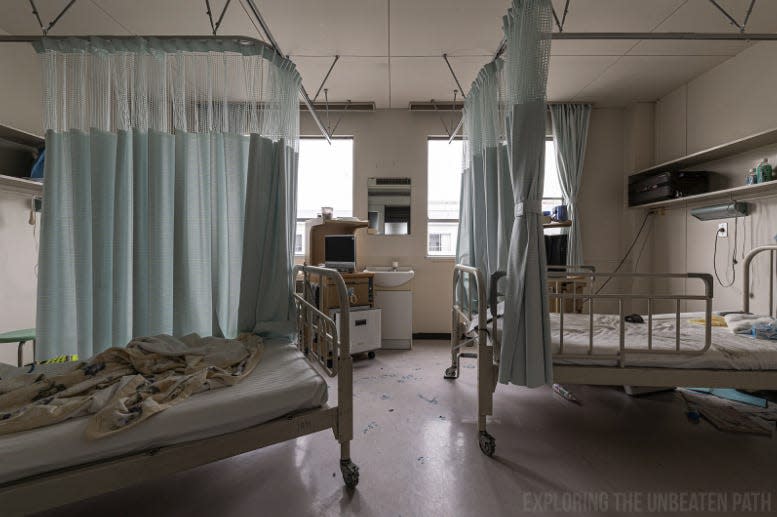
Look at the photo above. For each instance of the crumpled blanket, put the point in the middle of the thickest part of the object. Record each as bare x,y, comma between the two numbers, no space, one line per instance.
741,323
124,386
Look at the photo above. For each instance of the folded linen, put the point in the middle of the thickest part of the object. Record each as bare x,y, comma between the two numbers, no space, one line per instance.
741,323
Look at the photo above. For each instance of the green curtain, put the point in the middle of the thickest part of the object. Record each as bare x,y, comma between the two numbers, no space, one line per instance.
162,214
526,358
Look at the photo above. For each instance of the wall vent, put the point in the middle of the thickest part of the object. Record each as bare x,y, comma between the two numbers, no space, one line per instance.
341,106
436,106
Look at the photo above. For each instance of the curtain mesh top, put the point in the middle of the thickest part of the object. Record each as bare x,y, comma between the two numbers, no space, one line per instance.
168,85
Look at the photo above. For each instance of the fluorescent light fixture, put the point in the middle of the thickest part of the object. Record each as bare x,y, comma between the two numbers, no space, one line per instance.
727,211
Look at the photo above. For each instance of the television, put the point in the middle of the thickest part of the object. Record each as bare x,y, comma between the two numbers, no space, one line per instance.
340,252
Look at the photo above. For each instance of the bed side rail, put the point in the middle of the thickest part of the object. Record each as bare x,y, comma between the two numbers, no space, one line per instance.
562,274
771,248
319,338
472,294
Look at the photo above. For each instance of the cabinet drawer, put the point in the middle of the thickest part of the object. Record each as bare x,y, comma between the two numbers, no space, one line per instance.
364,328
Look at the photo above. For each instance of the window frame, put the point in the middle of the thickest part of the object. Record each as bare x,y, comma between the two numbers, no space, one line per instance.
549,138
429,253
353,185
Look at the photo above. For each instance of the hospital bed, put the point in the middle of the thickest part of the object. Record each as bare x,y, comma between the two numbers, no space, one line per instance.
666,350
285,397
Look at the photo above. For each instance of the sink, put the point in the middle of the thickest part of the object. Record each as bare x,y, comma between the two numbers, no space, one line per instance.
387,277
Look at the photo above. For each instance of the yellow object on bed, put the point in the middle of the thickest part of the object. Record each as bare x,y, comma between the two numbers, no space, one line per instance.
716,321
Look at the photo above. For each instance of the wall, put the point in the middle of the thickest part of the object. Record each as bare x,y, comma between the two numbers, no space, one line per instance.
393,143
20,107
733,100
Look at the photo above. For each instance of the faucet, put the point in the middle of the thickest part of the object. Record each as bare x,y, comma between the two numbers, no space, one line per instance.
395,266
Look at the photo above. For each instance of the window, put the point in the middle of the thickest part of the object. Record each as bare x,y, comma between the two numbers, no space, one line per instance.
551,193
324,178
445,167
444,187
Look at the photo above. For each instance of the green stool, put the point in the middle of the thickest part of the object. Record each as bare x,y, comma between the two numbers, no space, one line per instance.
21,337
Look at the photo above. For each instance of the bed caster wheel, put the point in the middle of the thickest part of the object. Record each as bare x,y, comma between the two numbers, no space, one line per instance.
452,372
350,473
487,443
371,355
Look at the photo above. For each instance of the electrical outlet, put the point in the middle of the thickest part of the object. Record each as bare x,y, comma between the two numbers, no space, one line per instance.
723,230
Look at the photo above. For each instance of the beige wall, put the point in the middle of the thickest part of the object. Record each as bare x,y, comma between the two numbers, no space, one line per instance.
20,107
733,100
393,143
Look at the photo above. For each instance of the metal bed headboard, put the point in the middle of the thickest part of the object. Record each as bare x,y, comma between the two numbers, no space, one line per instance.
771,248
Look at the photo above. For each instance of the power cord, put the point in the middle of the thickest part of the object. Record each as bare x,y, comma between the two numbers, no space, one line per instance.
628,251
734,261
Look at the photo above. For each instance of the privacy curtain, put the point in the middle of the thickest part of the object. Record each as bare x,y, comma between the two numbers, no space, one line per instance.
167,207
486,206
570,134
526,355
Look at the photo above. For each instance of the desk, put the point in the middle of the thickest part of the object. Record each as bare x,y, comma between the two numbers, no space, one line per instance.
21,337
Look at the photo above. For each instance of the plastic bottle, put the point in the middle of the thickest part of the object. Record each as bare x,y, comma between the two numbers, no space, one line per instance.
764,171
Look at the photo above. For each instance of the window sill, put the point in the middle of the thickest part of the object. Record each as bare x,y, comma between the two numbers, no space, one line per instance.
441,258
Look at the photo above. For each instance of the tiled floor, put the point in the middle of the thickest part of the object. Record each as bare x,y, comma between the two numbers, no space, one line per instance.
415,442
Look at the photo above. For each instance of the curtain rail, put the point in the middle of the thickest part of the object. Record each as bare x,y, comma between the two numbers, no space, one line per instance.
241,39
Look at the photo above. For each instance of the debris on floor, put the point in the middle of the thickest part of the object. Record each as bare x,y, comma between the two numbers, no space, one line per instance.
565,393
734,395
729,415
432,400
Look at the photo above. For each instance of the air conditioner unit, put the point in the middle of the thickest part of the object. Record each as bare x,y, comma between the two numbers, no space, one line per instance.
726,211
436,106
341,106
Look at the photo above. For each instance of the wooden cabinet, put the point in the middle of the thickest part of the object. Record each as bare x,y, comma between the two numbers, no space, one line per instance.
359,287
567,284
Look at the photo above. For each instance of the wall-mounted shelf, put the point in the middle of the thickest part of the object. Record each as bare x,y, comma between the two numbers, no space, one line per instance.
20,185
564,224
741,193
741,145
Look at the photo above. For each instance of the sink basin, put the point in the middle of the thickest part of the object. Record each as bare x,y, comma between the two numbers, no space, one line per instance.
386,277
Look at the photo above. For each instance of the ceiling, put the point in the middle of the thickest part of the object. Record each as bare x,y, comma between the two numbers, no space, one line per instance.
391,50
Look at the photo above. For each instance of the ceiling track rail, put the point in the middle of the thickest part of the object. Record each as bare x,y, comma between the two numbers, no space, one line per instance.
45,30
305,97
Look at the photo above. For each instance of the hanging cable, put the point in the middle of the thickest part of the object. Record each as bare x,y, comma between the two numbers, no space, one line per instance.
733,257
628,252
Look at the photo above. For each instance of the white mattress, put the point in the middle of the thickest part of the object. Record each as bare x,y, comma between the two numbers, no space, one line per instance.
728,351
283,382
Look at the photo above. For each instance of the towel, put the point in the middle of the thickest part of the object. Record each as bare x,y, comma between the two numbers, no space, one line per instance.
715,321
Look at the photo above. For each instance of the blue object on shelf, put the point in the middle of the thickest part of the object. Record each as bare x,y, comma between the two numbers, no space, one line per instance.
37,168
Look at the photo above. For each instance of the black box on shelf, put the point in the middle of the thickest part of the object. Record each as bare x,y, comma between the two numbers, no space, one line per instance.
659,186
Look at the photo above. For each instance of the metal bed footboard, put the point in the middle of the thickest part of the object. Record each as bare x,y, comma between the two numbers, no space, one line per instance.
469,285
318,341
772,249
562,274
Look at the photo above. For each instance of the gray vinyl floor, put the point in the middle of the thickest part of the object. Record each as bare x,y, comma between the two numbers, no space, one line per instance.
416,445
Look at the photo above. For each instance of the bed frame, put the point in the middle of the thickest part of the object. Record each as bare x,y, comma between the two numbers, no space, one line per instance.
56,488
468,280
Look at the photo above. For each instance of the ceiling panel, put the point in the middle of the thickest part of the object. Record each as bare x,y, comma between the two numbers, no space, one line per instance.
423,79
615,15
688,48
456,27
177,17
82,18
702,16
635,78
568,75
590,47
318,28
356,79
